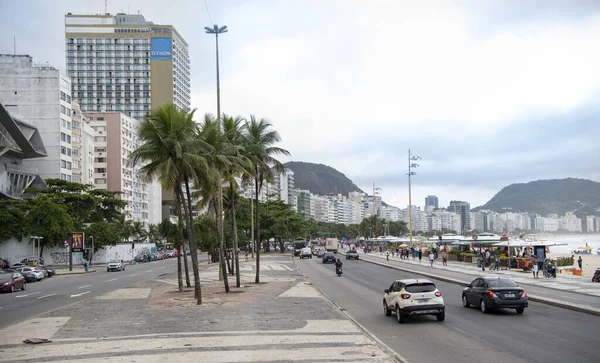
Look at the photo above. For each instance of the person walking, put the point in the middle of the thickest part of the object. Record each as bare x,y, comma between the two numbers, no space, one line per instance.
420,255
580,263
497,262
535,268
444,259
387,255
246,255
431,258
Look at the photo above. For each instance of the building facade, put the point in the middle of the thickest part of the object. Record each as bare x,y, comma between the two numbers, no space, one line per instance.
40,94
82,152
464,209
432,200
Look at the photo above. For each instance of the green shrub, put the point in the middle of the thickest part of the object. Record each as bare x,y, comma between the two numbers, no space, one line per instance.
565,261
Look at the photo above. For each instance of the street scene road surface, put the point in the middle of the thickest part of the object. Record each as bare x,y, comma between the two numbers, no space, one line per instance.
282,319
543,333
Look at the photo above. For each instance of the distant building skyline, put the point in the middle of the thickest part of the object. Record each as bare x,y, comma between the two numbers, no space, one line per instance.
432,200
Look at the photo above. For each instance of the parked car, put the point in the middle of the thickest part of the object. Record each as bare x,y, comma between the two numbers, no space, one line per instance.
39,274
141,258
115,265
352,255
328,257
48,272
28,275
413,297
11,281
495,292
30,261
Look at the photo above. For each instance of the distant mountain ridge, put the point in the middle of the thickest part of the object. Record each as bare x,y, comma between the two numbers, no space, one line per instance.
320,179
548,196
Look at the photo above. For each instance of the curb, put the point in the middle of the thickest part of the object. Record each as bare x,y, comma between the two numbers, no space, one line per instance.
547,301
66,273
384,347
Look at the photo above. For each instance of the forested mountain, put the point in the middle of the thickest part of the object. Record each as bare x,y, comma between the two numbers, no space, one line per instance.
320,179
548,196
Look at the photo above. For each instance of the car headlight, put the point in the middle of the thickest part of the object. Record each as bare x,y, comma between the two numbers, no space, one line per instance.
6,283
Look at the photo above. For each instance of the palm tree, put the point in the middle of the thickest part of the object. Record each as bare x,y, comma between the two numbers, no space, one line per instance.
139,231
153,233
172,153
260,149
233,133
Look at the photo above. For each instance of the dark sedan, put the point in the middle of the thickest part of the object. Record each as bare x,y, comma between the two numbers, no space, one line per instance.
11,281
352,255
329,257
49,272
29,276
495,292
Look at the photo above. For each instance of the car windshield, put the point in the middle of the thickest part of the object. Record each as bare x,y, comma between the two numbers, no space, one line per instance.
425,287
501,283
114,261
5,276
329,254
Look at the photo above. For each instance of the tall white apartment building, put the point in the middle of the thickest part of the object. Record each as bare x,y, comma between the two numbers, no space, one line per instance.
125,63
41,95
83,147
284,184
116,138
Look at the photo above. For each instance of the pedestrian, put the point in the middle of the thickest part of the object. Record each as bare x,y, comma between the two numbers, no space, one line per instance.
535,268
420,255
85,265
497,262
387,255
482,262
431,258
444,259
246,255
580,263
487,257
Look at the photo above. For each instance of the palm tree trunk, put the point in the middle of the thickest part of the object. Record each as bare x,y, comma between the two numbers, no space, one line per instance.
235,240
192,241
252,244
187,271
179,278
257,278
220,230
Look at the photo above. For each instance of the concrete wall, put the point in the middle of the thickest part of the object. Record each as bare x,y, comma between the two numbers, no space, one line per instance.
14,250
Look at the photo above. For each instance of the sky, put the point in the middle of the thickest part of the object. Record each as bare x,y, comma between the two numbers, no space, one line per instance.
486,93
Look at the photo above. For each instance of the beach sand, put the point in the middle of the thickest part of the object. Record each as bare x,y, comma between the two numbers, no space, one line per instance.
590,262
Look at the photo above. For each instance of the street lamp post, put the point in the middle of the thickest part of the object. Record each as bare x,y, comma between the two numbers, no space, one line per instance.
375,193
92,250
411,165
216,30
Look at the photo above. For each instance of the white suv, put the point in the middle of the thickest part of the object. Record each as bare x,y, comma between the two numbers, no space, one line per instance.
413,297
115,265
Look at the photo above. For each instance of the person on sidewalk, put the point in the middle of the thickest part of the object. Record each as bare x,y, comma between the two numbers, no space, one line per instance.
246,255
420,255
497,261
535,268
387,255
444,259
580,263
482,262
487,257
431,258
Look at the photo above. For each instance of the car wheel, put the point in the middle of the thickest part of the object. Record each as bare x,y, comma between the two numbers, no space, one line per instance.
399,316
107,270
483,307
520,310
465,301
386,310
441,316
24,286
12,288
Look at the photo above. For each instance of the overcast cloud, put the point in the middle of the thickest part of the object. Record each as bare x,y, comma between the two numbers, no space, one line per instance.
487,95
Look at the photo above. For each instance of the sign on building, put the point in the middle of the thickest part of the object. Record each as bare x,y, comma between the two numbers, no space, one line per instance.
161,49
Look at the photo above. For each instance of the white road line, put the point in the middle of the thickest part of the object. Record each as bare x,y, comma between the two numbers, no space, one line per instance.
133,275
41,297
81,287
113,279
569,297
162,267
149,271
33,293
83,293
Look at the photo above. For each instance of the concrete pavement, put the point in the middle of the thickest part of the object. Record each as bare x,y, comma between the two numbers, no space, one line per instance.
570,292
281,319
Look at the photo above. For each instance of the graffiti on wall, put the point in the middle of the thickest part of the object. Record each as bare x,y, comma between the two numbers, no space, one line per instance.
61,258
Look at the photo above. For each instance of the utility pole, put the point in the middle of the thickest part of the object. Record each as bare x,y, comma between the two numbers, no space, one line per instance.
411,173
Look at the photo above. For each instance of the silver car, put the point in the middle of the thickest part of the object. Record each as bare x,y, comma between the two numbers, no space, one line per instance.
115,265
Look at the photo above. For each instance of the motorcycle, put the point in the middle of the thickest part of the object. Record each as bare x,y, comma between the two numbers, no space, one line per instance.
596,277
338,271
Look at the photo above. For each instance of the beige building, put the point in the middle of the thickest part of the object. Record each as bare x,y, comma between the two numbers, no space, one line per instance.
83,147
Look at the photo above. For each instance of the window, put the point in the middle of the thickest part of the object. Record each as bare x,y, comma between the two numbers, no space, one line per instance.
68,178
63,164
68,139
68,152
100,170
422,287
100,160
100,149
100,139
63,150
68,165
100,181
63,137
63,176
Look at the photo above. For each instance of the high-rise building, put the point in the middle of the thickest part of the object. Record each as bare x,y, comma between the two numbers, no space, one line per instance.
126,64
40,95
464,209
83,147
432,200
116,138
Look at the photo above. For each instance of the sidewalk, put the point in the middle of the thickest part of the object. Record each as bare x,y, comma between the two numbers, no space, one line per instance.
284,318
571,292
77,270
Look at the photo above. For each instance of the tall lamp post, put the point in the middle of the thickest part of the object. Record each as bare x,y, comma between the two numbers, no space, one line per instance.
411,165
216,30
375,193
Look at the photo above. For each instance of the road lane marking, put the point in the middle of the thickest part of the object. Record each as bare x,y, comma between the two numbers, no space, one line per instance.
569,297
113,279
41,297
162,267
133,275
83,293
168,282
149,271
81,287
33,293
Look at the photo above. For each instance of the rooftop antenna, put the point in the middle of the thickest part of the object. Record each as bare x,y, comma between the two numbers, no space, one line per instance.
105,6
14,45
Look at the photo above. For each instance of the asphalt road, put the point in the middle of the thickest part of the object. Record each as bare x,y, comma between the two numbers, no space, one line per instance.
542,334
61,290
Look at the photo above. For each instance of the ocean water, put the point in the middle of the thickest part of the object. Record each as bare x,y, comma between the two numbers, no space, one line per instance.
573,241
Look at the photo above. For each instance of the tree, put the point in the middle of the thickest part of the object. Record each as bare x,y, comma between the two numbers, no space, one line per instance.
172,153
154,235
172,234
260,149
48,220
124,228
281,223
104,234
12,214
139,231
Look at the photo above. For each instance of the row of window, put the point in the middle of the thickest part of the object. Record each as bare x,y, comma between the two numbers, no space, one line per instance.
107,41
65,123
65,111
93,81
65,164
137,65
65,177
65,150
65,138
110,47
106,61
108,54
65,97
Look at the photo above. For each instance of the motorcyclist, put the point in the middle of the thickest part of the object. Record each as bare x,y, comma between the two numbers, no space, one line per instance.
338,264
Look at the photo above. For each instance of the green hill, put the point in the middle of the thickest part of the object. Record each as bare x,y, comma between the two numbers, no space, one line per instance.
320,179
548,196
